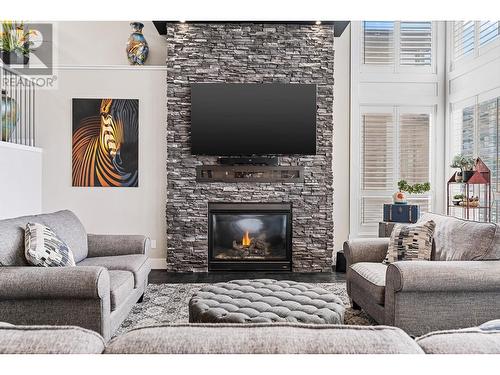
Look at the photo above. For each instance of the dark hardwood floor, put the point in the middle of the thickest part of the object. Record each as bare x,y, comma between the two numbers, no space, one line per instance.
162,276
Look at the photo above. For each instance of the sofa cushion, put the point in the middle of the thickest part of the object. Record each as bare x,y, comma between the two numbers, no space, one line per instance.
44,248
49,340
457,239
263,338
121,285
410,242
461,341
371,278
138,264
64,223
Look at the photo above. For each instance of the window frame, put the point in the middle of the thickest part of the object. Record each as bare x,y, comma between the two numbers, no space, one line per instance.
478,51
368,229
396,67
458,106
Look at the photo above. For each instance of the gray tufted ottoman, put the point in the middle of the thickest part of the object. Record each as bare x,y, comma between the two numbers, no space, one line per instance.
265,301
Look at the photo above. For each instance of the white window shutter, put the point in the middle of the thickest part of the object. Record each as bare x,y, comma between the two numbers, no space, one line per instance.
463,38
488,31
377,151
415,43
378,42
414,132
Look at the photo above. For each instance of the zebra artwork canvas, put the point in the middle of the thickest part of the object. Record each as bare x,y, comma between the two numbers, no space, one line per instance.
105,142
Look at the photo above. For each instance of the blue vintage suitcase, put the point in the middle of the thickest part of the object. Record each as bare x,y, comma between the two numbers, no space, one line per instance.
401,213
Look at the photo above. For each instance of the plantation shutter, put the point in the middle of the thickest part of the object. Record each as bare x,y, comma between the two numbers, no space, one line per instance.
377,151
378,42
463,38
488,31
415,43
414,148
488,143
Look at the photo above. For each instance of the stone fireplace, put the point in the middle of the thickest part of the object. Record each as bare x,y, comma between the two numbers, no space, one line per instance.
248,53
249,236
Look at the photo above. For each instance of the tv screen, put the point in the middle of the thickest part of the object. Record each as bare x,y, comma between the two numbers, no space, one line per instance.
233,119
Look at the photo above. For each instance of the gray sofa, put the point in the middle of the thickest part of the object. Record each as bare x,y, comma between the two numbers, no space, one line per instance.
256,338
110,277
459,287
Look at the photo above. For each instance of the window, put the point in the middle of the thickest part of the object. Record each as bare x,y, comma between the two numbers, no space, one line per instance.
415,43
476,130
378,157
414,147
463,38
488,31
397,43
378,42
394,145
470,36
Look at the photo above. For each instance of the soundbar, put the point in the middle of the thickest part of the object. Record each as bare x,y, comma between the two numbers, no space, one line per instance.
258,160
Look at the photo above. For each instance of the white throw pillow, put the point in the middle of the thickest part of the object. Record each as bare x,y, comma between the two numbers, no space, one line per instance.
43,248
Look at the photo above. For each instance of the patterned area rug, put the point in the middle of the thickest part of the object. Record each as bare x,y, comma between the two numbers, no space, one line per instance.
168,303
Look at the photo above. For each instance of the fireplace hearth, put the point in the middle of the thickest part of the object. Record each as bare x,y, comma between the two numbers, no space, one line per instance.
249,236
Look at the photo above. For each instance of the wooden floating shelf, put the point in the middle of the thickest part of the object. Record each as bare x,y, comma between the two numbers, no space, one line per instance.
249,173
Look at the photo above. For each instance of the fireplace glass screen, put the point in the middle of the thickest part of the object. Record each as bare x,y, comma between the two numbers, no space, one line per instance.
245,236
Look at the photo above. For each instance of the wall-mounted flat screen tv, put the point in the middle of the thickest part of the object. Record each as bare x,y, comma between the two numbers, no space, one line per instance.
233,119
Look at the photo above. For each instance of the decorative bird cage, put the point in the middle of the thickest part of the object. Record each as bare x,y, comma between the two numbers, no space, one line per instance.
471,199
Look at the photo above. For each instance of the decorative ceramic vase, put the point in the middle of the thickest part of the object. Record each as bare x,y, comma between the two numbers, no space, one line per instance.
14,58
137,47
399,197
458,176
9,117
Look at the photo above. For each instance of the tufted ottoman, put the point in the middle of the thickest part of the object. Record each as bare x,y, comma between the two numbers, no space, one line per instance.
265,301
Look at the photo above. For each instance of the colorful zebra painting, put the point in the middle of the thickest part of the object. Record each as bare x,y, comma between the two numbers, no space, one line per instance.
105,142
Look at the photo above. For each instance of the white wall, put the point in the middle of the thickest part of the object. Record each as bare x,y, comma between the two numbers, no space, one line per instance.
20,180
103,43
93,64
341,143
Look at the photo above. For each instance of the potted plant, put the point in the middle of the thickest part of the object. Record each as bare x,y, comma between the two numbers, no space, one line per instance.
399,197
15,44
466,166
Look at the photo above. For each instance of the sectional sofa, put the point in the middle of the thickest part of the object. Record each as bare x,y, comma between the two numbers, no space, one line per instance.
278,338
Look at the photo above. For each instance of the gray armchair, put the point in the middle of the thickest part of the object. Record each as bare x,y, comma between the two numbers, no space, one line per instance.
459,287
110,277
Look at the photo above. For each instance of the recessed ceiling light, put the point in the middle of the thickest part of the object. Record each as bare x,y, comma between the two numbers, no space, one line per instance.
182,21
318,22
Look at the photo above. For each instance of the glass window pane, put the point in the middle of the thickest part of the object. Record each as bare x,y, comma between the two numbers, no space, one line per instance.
378,42
415,43
377,152
414,148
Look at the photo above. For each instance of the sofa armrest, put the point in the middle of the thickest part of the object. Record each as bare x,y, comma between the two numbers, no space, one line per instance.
444,276
101,245
53,282
365,250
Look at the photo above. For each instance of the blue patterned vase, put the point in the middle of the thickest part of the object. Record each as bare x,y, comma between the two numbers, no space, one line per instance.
9,117
137,47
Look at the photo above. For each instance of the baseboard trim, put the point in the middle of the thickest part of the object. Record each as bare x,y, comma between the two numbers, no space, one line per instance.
158,263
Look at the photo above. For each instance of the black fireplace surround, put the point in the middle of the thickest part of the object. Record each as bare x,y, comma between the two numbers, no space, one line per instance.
250,236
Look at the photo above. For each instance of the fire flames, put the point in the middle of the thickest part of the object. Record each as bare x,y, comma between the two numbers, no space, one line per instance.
245,241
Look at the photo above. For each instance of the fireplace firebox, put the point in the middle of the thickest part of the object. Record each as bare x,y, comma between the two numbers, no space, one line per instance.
250,236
